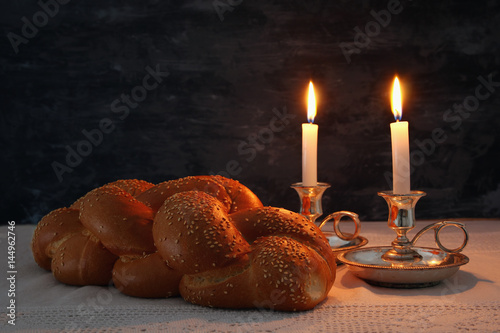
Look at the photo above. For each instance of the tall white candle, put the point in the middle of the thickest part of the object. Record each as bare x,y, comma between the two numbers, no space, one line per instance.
400,145
310,143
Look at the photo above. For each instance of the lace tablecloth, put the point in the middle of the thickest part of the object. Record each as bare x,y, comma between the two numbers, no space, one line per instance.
467,301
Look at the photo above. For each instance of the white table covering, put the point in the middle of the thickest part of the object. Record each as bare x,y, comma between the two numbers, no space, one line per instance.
468,301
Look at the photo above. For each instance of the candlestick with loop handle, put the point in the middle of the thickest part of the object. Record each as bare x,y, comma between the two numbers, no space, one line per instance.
402,219
311,208
404,265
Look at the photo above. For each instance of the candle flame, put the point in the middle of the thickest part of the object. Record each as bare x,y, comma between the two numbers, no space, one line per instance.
396,104
311,104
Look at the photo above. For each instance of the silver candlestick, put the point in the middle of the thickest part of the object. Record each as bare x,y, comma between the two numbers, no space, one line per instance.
401,220
311,208
404,265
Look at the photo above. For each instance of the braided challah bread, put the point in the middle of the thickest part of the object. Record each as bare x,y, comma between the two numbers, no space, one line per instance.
207,238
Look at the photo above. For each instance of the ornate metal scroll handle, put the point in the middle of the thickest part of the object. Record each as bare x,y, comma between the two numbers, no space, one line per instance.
337,216
437,228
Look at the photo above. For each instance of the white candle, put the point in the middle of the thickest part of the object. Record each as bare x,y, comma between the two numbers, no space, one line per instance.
400,145
310,143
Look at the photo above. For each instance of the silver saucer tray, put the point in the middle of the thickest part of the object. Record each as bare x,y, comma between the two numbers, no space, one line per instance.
435,266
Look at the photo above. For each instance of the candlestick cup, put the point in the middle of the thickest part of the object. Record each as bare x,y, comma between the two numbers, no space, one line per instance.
310,199
401,220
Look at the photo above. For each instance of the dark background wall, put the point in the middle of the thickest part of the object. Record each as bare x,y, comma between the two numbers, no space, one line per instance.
229,96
